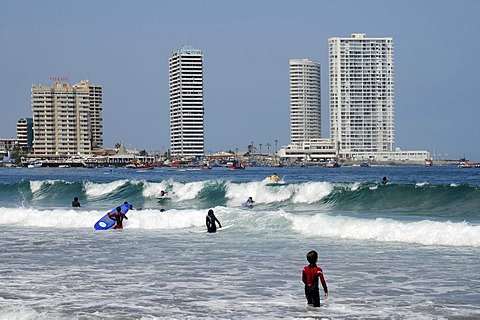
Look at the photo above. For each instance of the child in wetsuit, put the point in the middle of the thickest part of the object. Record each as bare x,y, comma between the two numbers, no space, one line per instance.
310,276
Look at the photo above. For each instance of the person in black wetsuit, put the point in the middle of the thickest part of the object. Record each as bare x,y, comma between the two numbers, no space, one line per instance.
75,203
118,216
210,222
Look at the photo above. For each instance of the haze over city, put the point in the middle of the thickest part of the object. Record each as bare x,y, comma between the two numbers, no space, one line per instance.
124,46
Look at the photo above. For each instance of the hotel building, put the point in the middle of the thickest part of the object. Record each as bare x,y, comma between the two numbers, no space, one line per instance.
186,102
361,85
305,105
67,119
25,134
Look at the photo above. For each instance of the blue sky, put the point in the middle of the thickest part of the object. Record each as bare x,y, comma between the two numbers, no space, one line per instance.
125,45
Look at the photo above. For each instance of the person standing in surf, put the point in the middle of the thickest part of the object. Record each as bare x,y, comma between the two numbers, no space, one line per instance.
118,217
310,276
75,203
210,222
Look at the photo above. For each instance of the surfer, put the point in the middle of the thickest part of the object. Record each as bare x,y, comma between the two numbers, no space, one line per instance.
310,276
118,217
274,178
210,222
250,201
163,193
384,180
75,203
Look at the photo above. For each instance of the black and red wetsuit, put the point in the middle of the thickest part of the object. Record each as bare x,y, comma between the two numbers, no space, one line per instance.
310,276
118,217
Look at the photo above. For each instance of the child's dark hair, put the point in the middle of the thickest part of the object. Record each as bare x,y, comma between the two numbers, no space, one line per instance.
312,256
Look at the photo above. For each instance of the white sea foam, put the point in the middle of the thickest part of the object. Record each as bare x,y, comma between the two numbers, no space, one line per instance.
311,192
421,184
35,185
259,191
152,189
94,190
139,219
308,192
423,232
186,191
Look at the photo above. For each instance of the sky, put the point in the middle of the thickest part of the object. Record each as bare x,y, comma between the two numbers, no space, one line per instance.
124,46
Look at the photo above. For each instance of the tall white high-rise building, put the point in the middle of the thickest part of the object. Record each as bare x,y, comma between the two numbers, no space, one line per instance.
361,95
305,105
186,102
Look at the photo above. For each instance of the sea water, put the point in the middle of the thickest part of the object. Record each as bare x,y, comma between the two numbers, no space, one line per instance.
406,250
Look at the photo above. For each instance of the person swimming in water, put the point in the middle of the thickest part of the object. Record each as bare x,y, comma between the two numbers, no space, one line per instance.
75,203
250,201
210,222
384,181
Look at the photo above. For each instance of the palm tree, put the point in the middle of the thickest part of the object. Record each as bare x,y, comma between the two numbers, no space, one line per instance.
260,147
268,147
276,142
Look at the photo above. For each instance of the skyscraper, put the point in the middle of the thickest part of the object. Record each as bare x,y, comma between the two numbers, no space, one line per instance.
361,95
305,105
66,119
186,102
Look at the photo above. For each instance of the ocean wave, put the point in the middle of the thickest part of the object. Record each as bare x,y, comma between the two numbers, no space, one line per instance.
424,232
458,202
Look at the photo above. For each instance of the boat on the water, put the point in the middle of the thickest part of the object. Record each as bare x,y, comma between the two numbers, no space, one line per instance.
332,164
139,166
365,164
236,165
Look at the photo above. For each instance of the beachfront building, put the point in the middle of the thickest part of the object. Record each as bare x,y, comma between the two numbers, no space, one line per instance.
25,134
305,106
67,119
186,103
361,82
313,150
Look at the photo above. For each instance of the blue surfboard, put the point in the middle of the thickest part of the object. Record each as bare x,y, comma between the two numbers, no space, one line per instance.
106,222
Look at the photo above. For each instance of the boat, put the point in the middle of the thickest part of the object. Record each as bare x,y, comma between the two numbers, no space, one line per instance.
332,164
145,166
35,165
365,164
235,165
468,164
139,166
428,162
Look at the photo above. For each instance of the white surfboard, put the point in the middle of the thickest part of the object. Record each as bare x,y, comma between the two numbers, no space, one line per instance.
225,227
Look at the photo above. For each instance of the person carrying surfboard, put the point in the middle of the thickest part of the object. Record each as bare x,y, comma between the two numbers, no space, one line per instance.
118,217
210,222
310,276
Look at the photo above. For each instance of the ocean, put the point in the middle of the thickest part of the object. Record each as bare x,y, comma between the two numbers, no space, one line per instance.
406,250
